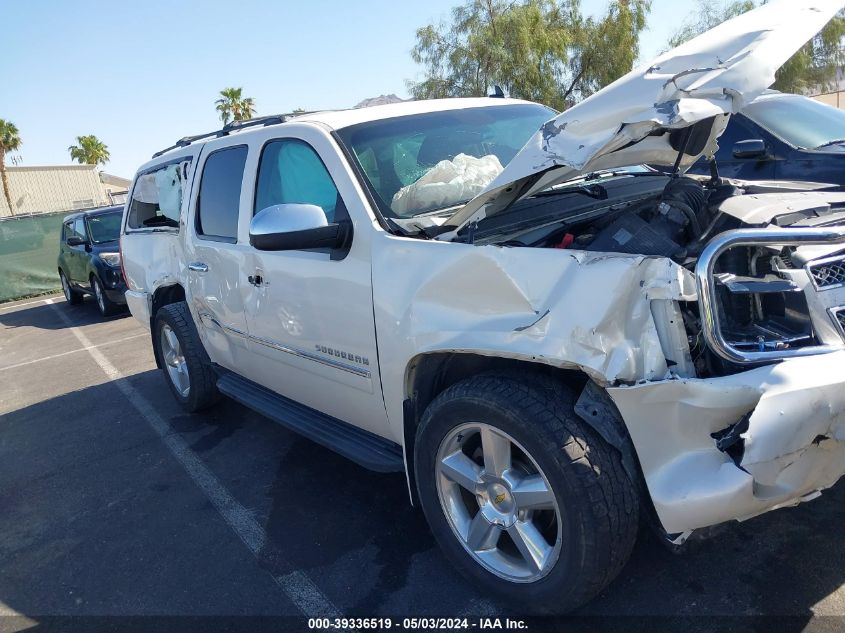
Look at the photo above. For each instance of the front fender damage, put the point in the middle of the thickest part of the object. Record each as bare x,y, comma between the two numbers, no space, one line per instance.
790,444
590,311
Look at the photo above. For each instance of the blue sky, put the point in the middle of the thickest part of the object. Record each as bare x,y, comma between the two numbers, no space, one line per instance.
140,75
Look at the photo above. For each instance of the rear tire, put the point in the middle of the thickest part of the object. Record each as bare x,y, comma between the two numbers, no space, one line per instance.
106,306
73,297
187,367
583,525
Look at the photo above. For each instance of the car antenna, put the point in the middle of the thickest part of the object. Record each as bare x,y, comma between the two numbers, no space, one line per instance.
498,93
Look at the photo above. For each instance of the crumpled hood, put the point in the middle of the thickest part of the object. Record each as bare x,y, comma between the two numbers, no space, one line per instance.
643,117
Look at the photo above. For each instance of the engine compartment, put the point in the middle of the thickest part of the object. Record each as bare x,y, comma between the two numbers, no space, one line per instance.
760,297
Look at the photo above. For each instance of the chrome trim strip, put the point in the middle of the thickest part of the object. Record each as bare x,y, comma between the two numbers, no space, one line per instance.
821,262
227,328
363,373
836,322
711,326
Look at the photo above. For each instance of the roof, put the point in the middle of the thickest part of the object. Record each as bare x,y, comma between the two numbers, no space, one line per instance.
90,212
335,119
71,167
338,119
111,179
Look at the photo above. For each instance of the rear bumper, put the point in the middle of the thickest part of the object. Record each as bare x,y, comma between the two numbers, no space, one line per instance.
788,421
139,304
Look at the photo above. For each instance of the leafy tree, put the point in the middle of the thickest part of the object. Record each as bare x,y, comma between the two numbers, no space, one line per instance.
707,15
812,67
10,141
232,106
542,50
90,151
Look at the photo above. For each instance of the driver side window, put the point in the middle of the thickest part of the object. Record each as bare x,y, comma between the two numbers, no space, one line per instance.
290,171
78,228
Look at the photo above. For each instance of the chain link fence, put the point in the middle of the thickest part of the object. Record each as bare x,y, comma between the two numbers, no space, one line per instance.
29,248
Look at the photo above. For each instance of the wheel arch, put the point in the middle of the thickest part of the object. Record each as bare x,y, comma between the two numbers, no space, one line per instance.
429,374
163,295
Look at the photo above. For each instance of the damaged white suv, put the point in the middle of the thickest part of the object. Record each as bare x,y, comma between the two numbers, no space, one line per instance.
550,344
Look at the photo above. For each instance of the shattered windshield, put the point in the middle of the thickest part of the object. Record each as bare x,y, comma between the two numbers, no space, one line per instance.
421,163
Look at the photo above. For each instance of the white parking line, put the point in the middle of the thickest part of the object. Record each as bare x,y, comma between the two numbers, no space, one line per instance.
27,303
298,587
73,351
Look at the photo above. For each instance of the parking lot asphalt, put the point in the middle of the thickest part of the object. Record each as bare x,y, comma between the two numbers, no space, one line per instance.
113,502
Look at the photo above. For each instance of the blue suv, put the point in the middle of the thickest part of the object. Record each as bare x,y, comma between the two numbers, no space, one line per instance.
783,137
89,258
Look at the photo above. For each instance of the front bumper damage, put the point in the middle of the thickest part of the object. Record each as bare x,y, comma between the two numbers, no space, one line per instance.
792,448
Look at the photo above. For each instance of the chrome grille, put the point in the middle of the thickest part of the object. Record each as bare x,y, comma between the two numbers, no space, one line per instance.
827,273
838,316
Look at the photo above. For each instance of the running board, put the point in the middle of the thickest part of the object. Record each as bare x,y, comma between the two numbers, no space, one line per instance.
362,447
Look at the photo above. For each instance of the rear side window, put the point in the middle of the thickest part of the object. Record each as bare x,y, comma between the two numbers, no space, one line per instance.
220,194
157,197
291,171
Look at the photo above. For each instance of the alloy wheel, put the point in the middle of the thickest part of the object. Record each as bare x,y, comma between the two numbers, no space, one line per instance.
98,294
498,502
174,360
65,287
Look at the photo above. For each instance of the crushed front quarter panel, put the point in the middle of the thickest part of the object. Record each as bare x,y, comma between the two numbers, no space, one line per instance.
794,445
570,309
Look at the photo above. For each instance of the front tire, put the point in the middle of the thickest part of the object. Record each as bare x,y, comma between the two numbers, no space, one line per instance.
525,499
106,306
73,297
183,358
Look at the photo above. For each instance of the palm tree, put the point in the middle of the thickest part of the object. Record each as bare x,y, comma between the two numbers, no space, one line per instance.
233,107
10,141
90,151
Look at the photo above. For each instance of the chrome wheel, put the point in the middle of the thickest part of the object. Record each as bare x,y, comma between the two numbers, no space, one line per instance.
174,360
498,502
98,295
65,287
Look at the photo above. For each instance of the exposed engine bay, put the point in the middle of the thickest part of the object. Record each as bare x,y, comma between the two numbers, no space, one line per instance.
762,291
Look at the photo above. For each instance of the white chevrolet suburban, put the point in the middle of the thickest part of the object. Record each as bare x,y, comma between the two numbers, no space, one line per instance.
484,295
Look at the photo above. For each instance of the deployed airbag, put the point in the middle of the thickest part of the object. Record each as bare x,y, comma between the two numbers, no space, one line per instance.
448,183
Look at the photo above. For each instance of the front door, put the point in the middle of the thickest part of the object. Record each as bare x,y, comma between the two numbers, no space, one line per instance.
215,255
78,255
311,324
741,129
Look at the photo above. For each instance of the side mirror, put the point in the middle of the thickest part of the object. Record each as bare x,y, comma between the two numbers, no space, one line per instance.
295,227
75,240
753,148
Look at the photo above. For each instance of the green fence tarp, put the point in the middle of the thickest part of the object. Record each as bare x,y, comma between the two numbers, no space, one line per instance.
29,249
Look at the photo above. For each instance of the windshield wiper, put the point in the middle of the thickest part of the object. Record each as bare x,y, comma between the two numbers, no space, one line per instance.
594,190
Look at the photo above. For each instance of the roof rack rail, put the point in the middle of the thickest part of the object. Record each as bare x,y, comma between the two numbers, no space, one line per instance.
232,126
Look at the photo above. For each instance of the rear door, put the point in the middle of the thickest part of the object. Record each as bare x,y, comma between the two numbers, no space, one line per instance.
215,256
65,253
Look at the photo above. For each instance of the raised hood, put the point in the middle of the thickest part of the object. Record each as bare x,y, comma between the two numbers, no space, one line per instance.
684,96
